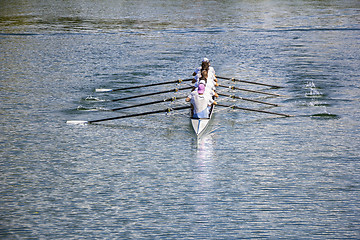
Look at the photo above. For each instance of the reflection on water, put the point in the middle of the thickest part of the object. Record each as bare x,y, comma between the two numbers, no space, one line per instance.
204,178
205,147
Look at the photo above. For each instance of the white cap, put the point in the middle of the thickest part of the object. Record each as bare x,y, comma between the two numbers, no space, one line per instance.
206,60
199,82
202,82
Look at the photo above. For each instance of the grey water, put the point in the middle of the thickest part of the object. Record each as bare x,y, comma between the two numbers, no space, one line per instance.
251,176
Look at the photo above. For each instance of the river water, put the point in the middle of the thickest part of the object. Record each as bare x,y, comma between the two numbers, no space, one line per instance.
252,175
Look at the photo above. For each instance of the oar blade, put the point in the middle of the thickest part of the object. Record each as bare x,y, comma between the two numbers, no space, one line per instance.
101,90
77,122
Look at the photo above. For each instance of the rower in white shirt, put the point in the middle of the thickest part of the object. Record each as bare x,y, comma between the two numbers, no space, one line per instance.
200,102
210,85
205,65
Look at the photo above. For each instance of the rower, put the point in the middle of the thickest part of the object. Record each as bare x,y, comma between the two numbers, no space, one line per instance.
200,102
205,65
209,84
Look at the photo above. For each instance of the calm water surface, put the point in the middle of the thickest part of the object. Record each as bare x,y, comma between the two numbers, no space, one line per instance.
253,175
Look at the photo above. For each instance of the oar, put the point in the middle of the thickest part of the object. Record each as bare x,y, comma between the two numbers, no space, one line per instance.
148,85
150,94
254,110
247,99
247,90
128,116
237,80
149,103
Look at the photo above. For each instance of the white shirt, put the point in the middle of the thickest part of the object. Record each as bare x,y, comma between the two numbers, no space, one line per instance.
200,101
212,71
211,77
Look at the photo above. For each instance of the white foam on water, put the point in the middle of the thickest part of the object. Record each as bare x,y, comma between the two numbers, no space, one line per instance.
310,85
313,93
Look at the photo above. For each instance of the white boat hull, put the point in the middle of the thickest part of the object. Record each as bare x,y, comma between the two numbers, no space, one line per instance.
200,124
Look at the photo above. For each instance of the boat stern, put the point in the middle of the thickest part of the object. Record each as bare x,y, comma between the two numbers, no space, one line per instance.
199,124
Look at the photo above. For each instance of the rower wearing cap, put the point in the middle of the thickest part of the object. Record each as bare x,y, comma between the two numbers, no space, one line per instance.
205,65
210,85
200,102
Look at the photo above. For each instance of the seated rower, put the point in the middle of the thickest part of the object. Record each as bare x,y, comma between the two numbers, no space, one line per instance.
209,85
205,65
200,102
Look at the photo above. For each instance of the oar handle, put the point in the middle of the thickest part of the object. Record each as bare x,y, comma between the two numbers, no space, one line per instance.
255,110
247,99
253,91
244,81
151,94
149,103
139,114
153,84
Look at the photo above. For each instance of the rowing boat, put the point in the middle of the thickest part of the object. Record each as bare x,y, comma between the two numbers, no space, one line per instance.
200,124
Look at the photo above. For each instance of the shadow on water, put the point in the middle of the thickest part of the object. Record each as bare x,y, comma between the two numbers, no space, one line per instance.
325,116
